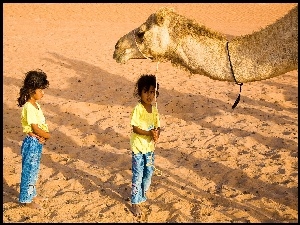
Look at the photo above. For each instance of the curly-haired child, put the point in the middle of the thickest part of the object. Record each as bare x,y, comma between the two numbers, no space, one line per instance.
145,124
37,132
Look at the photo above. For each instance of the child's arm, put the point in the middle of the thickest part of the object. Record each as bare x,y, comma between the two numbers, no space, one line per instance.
141,132
39,133
154,133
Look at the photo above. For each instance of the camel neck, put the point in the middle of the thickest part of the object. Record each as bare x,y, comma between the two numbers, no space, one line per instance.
267,53
261,55
207,57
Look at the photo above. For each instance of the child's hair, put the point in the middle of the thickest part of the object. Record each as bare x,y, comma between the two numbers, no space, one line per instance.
144,82
34,79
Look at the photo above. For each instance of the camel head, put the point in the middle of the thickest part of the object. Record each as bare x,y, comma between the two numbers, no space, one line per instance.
150,40
159,37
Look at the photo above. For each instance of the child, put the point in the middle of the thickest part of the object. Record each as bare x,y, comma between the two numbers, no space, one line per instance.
36,130
145,132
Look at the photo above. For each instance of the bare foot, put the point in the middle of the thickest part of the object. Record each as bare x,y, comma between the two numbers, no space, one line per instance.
136,210
34,205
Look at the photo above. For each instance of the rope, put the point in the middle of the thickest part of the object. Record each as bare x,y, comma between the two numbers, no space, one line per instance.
156,85
156,171
138,46
133,32
241,84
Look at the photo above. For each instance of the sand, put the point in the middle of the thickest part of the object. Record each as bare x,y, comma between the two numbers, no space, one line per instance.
218,164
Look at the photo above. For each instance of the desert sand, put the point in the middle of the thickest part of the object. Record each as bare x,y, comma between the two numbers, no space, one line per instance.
218,164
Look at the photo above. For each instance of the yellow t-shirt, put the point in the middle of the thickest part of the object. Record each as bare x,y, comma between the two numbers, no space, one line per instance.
31,115
145,121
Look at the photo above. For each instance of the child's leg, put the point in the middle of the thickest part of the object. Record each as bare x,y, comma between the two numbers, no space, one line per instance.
137,177
31,151
148,171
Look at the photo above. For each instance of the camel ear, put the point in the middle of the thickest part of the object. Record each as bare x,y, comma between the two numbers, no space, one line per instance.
162,15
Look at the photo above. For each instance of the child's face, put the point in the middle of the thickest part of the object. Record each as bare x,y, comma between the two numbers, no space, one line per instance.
148,96
39,93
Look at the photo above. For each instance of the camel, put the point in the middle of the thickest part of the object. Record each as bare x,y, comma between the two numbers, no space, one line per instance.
168,36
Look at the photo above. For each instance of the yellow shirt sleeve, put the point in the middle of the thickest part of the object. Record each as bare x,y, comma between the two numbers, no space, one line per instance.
135,115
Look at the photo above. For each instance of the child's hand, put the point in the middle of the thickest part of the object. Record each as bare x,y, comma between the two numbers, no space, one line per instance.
42,140
154,134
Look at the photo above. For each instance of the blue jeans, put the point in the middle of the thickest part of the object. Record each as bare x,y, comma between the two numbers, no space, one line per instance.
31,151
142,171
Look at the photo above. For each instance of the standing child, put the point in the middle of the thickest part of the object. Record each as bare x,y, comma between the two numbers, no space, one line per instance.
36,130
145,132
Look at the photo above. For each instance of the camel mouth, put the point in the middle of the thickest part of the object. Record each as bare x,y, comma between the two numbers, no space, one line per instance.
124,61
122,57
151,58
119,58
144,57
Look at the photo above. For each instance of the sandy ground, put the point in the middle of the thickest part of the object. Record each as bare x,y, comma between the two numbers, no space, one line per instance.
218,164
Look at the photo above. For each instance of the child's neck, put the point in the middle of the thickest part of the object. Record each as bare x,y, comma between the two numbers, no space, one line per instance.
148,107
33,102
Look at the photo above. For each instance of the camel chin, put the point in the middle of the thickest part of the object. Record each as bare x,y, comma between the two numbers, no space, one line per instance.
121,58
124,56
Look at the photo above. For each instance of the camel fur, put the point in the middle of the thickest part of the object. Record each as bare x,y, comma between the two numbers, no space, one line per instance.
168,36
